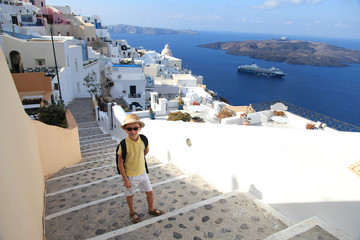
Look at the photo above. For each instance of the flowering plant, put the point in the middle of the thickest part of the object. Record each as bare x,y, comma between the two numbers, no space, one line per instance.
310,126
279,113
225,114
243,115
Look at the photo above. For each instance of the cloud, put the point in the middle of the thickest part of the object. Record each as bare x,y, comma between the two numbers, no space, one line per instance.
268,4
179,16
205,18
341,25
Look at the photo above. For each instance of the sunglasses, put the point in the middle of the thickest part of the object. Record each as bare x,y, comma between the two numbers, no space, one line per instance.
130,129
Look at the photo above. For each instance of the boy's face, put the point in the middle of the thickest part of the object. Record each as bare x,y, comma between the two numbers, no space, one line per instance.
133,129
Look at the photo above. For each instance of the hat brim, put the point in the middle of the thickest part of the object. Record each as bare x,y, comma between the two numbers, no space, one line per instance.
142,124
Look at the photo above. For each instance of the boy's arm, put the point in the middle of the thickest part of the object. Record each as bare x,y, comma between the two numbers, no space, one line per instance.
147,150
122,172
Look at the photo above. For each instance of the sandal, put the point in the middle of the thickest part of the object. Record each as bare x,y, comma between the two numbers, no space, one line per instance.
156,212
133,218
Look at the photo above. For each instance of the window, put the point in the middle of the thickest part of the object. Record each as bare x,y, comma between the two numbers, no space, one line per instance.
42,4
26,18
93,39
40,62
88,39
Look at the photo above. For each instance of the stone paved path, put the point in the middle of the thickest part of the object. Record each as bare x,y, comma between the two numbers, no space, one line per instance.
86,201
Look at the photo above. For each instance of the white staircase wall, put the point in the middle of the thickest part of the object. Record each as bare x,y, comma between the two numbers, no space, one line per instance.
302,173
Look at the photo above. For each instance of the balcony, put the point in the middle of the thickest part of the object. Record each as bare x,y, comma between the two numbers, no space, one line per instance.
134,95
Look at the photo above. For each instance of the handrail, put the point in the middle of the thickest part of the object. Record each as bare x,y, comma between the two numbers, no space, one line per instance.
311,115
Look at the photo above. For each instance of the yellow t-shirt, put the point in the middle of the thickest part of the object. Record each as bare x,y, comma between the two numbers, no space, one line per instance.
135,161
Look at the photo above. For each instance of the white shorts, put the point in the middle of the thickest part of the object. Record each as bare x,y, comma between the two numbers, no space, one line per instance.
142,181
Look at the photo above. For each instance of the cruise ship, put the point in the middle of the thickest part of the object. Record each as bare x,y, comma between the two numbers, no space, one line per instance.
255,69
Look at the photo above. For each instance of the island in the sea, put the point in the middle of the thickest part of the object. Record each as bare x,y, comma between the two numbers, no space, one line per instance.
291,51
122,28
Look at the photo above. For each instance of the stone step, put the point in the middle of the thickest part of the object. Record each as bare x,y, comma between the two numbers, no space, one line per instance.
88,132
85,193
88,124
77,176
84,166
97,141
100,152
311,228
97,137
99,147
112,213
94,145
99,157
231,216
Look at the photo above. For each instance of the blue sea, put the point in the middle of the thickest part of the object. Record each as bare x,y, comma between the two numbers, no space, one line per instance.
332,91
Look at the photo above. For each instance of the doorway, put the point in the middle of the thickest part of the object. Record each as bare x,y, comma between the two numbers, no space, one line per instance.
16,62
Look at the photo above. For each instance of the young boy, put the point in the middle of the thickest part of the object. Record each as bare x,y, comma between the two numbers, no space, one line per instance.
134,172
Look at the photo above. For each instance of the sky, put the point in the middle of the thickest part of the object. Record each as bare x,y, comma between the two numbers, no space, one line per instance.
326,18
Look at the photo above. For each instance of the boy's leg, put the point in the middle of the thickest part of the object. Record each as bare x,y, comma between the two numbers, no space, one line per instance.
150,199
133,215
130,202
145,185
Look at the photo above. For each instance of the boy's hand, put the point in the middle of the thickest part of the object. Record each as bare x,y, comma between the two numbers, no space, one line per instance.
127,184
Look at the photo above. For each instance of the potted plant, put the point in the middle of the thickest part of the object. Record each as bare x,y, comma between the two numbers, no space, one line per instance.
177,116
246,119
181,104
151,114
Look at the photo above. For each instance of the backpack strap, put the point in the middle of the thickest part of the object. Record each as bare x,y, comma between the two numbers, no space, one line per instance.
117,159
123,151
123,154
146,143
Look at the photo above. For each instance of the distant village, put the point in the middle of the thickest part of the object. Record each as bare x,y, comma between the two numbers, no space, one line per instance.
77,53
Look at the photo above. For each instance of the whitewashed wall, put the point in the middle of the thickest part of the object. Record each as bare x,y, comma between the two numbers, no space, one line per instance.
302,173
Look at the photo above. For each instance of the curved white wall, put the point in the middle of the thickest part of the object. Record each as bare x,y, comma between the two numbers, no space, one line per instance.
302,173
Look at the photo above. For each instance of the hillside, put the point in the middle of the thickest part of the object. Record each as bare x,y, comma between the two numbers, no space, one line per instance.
292,52
122,28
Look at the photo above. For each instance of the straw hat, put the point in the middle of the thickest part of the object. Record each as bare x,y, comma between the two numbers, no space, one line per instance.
132,118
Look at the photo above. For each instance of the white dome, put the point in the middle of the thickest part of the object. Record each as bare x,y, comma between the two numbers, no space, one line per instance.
166,51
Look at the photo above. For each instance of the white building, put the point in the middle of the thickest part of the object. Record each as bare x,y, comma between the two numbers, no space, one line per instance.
37,55
186,80
101,31
129,83
20,17
120,49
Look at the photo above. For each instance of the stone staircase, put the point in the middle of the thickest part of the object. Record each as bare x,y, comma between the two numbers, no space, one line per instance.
86,201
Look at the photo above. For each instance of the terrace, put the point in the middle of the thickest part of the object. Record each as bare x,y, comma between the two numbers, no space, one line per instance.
267,194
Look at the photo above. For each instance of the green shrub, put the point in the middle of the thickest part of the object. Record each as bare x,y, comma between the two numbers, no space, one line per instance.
53,114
